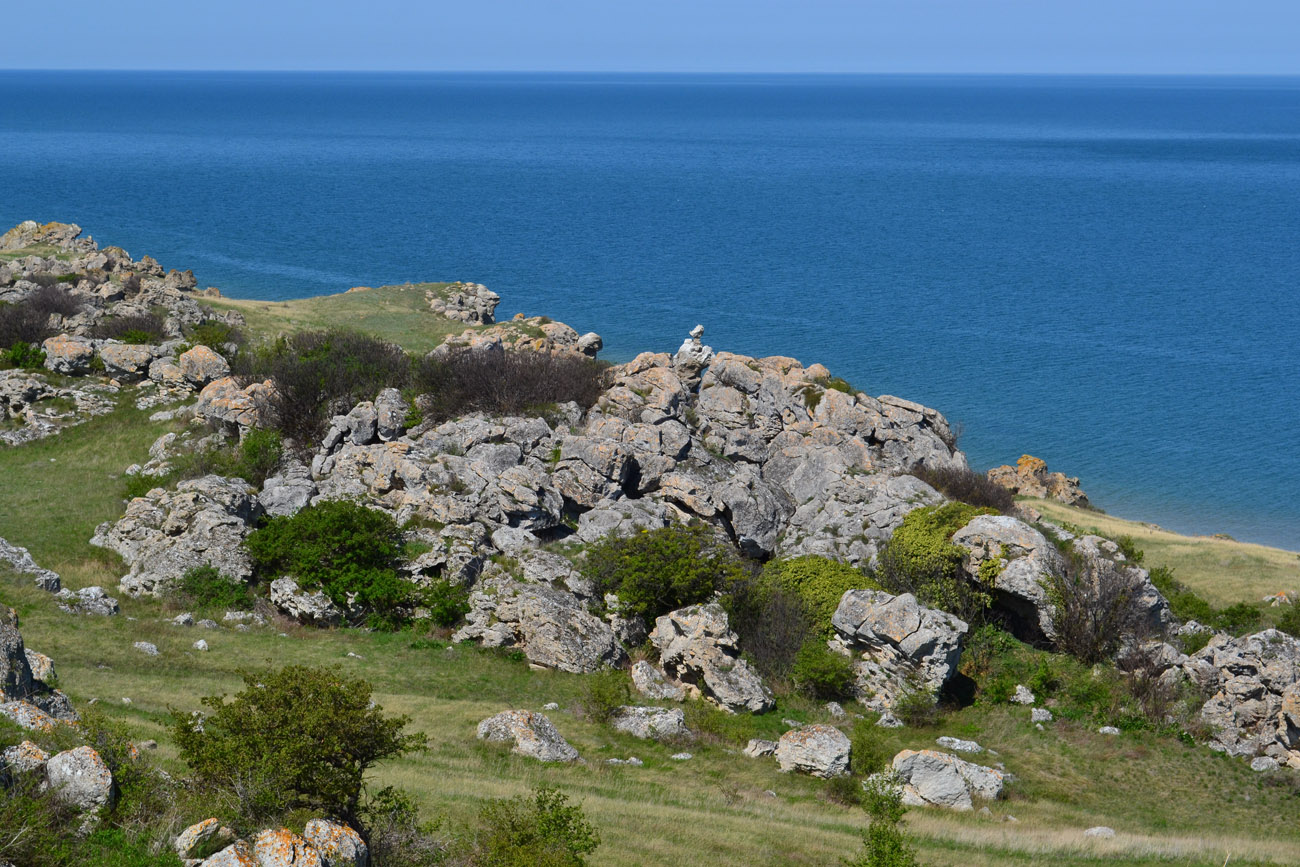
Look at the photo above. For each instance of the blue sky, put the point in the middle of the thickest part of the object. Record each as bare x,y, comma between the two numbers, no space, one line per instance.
995,36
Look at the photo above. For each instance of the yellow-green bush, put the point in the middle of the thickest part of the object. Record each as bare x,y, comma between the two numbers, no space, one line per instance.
820,583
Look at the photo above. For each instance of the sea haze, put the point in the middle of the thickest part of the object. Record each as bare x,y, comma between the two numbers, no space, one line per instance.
1101,271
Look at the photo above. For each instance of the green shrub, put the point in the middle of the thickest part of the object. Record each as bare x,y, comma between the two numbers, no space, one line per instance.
344,549
870,752
844,789
604,692
294,738
921,559
1237,619
258,455
883,843
820,583
204,588
772,623
657,571
396,837
1092,610
542,830
1289,622
445,601
216,334
25,356
822,673
918,708
1183,601
1132,553
139,330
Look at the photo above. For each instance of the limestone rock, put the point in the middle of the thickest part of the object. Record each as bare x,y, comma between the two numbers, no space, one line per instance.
288,492
283,848
146,648
697,647
199,836
15,671
126,362
650,722
758,747
1030,478
164,534
1040,715
27,716
1024,556
306,607
650,682
93,601
1254,682
41,665
958,745
533,735
201,366
1100,831
1023,695
24,758
897,644
338,845
80,778
932,778
226,406
20,560
237,854
68,355
819,750
466,302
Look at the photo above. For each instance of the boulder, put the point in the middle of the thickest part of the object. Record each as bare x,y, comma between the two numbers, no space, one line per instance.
126,362
338,845
1254,687
819,750
1030,478
1100,831
758,747
93,601
897,644
697,647
68,355
226,406
306,607
24,758
198,837
283,848
932,778
656,723
41,665
287,492
650,682
390,414
20,560
15,671
1021,556
80,778
958,745
27,716
201,365
237,854
533,735
164,534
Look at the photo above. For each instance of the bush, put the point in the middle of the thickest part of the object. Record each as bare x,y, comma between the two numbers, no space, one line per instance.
206,588
1092,607
344,549
53,299
772,624
26,356
22,323
966,486
143,329
1237,619
320,374
920,559
294,738
820,583
603,693
918,708
510,383
258,455
216,334
446,602
1186,605
1289,622
884,843
657,571
821,673
395,835
870,752
543,830
845,790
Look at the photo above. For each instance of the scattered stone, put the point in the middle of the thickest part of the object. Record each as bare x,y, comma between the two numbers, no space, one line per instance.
24,758
1023,695
185,619
80,778
550,705
681,757
633,761
1107,730
757,748
932,778
650,722
835,709
959,745
1264,763
306,607
532,733
146,648
199,836
200,646
791,723
1100,831
208,624
1040,715
819,750
889,721
93,601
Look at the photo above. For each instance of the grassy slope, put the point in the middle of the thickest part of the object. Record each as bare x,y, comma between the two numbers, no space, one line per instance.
397,313
1221,570
1154,791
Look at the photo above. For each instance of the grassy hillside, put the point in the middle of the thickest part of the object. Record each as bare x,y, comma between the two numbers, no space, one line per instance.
718,807
1221,570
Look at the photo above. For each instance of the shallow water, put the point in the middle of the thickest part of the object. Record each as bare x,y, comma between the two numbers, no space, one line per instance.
1101,271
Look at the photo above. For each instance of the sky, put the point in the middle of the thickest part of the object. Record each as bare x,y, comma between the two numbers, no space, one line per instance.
900,36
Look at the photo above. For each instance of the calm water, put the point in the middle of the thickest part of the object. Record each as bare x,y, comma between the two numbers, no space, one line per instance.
1102,272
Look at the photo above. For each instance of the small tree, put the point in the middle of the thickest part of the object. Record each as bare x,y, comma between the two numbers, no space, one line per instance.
295,737
1092,604
541,831
884,843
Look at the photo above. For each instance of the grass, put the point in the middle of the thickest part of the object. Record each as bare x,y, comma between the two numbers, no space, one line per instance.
397,313
1155,791
1221,570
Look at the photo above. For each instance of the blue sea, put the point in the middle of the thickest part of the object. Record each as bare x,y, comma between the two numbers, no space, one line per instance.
1100,271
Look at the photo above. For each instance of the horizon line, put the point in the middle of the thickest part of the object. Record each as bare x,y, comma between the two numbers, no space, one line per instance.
677,72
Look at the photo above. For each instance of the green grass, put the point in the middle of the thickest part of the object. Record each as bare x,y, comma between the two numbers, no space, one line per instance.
1221,570
397,313
45,251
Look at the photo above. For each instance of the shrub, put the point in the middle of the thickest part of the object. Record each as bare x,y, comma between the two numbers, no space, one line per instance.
772,623
22,323
346,550
870,753
445,601
1289,622
320,374
918,708
27,356
294,738
1092,606
142,329
921,559
966,486
54,299
845,790
657,571
258,455
820,583
1187,605
542,830
603,693
510,383
215,334
883,843
822,673
205,587
1237,619
395,835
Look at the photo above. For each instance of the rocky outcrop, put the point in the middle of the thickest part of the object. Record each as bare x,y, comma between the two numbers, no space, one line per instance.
20,560
93,601
1030,478
465,302
898,645
164,534
657,723
200,366
126,362
931,778
698,648
532,734
819,750
650,682
233,409
35,408
287,492
312,607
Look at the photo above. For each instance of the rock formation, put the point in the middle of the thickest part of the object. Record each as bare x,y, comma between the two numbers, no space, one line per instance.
1030,478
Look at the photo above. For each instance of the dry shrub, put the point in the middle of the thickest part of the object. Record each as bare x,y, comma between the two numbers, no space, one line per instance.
966,486
509,383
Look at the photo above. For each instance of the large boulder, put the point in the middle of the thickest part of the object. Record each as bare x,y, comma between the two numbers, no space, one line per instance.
71,356
932,778
897,644
126,362
201,365
338,845
650,682
532,734
198,837
819,750
20,560
312,607
233,409
23,758
697,647
80,778
656,723
283,848
1021,558
164,534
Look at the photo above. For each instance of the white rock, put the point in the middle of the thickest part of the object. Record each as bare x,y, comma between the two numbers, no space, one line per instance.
1100,831
819,750
200,645
757,748
146,648
938,779
1040,715
1023,695
1107,730
532,733
1264,763
959,745
338,845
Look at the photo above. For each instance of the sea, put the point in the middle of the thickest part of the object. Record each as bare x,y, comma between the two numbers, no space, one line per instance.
1103,272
